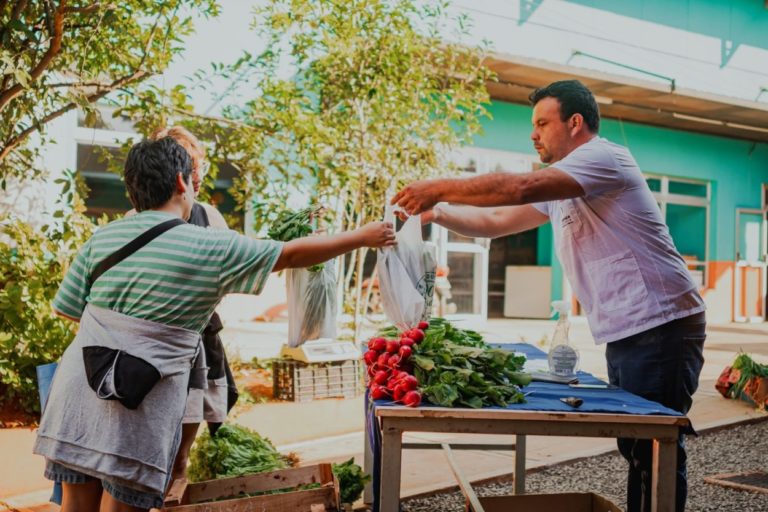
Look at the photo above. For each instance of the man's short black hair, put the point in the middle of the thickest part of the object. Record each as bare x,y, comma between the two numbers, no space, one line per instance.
574,98
151,169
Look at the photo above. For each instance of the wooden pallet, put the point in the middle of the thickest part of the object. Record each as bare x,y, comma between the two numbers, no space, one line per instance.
231,494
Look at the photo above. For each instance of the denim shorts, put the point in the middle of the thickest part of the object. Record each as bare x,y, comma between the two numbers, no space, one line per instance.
62,474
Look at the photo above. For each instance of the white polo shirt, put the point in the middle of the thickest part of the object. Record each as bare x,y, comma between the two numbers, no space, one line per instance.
614,247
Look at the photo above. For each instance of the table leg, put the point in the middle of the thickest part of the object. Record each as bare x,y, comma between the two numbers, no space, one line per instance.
367,468
391,452
664,475
520,464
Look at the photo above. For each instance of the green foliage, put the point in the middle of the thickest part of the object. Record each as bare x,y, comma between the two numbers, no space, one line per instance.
379,98
59,56
352,480
33,262
234,451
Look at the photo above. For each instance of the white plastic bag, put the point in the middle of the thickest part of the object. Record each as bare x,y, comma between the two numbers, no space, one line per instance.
311,304
406,274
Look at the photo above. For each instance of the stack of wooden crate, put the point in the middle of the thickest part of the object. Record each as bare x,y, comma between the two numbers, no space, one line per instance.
302,382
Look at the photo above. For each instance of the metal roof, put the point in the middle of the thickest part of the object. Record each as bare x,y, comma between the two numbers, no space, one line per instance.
640,101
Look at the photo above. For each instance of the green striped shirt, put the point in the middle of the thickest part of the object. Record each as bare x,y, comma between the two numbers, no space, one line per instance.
176,279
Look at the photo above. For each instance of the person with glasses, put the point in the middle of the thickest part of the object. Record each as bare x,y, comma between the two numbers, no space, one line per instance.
213,403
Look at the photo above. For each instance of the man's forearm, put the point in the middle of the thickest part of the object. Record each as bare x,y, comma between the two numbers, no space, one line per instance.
494,189
464,220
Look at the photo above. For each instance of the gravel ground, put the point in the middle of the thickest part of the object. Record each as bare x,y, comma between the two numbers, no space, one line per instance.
732,450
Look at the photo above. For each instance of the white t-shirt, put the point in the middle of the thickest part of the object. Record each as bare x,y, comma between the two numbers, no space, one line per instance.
615,249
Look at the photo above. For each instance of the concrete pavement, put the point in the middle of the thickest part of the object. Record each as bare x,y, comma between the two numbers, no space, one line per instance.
332,430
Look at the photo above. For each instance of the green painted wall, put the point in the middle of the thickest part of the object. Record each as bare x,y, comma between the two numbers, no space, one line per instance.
736,169
736,22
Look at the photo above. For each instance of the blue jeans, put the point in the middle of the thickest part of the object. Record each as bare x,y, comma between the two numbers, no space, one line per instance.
663,365
62,474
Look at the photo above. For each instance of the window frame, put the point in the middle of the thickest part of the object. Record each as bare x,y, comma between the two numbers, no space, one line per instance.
664,198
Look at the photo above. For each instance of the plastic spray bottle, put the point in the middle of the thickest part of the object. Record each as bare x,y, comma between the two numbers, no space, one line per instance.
563,357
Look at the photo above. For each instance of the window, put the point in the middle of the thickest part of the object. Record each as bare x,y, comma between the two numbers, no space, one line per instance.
107,191
684,207
220,196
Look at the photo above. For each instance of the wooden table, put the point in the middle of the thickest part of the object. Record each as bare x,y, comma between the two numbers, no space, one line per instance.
395,420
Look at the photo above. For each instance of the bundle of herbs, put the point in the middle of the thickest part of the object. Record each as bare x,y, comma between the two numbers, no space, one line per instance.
290,225
234,451
311,291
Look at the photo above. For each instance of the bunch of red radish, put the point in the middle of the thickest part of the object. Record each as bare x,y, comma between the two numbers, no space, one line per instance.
390,373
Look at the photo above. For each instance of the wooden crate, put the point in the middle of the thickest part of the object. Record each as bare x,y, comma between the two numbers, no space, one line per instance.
230,493
302,382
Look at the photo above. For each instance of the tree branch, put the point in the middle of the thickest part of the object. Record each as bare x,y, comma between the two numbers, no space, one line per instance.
87,10
14,141
99,85
45,61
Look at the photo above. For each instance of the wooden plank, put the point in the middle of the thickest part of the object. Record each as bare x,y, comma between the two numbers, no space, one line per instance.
311,500
519,475
492,414
459,446
559,427
282,479
177,494
391,453
464,485
721,480
664,476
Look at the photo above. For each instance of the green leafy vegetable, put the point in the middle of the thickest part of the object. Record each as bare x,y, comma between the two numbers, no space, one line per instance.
290,225
234,451
351,479
748,369
455,367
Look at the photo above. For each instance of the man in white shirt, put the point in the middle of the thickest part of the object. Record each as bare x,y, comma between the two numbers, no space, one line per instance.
615,249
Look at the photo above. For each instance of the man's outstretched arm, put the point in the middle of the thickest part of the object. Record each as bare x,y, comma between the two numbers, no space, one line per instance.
494,189
486,222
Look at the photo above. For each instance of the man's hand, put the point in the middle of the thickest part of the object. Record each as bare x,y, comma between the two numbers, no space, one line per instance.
378,234
419,196
426,216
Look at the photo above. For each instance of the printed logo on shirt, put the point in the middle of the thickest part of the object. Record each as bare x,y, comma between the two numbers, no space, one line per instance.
567,215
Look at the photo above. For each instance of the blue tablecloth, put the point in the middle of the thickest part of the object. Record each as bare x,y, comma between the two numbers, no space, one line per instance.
539,396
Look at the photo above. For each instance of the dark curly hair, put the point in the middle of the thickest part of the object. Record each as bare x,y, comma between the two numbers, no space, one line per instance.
151,169
574,98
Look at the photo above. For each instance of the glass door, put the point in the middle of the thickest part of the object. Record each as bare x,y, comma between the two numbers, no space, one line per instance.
466,262
750,270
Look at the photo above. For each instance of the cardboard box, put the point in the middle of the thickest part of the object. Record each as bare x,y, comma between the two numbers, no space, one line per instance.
566,502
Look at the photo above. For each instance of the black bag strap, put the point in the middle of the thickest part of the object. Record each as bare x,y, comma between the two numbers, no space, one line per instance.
131,247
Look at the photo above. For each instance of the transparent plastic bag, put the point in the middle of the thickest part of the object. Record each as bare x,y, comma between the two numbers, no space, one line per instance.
406,274
311,304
